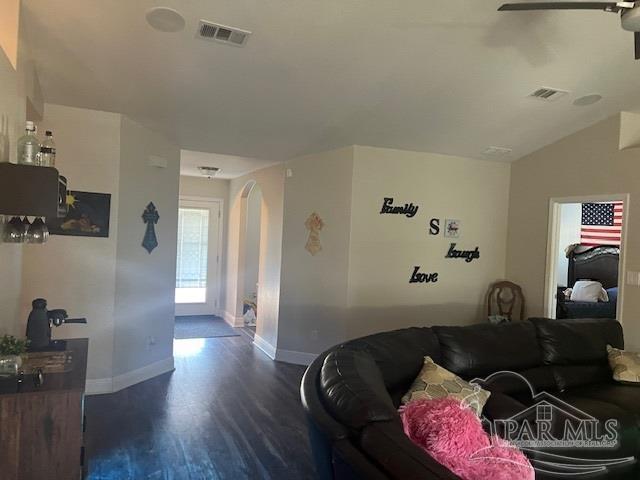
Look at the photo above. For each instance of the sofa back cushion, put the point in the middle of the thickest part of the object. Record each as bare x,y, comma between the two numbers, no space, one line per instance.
399,354
577,341
523,382
571,376
576,349
479,350
353,390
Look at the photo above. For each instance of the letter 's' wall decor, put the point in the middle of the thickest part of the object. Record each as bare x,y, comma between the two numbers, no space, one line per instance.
434,226
419,277
468,255
388,208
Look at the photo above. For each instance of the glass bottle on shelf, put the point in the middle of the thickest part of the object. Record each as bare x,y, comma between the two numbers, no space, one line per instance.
28,146
48,151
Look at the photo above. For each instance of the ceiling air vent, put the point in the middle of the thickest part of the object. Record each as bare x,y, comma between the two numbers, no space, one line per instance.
547,94
214,32
496,151
209,172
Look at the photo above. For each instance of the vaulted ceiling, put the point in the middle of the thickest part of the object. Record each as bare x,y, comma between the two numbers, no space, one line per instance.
449,77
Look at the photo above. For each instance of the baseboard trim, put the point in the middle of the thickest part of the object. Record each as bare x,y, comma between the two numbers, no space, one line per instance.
297,358
232,320
102,386
98,386
141,374
265,346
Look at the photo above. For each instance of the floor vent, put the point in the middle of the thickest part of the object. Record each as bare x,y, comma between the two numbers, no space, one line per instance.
214,32
547,94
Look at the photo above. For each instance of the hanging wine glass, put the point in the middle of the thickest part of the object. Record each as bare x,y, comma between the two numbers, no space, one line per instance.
14,231
38,232
26,224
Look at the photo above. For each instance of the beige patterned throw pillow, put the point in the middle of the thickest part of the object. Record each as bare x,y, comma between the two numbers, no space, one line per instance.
436,382
625,365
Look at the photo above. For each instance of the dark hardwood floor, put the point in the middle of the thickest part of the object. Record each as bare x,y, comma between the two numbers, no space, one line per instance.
227,412
249,331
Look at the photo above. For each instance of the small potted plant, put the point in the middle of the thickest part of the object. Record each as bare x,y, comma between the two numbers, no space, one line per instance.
11,351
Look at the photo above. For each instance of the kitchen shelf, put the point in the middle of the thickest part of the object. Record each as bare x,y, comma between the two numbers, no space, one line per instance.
31,191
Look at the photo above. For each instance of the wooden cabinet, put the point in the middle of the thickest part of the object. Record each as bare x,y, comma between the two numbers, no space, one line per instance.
26,190
41,428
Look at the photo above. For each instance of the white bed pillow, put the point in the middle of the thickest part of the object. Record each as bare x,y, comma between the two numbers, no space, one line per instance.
588,291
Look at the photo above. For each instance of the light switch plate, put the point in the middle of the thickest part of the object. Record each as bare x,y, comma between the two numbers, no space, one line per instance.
158,162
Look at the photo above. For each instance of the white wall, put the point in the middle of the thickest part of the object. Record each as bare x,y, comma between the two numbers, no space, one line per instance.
12,117
570,226
145,283
18,85
359,283
204,187
252,243
385,248
125,293
9,30
314,287
78,273
586,163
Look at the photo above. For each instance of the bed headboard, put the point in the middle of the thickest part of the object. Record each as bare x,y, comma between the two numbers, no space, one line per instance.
595,263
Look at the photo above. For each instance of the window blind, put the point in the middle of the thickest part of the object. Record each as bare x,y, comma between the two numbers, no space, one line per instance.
193,244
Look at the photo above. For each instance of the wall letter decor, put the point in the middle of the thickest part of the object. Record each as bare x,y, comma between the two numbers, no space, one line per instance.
150,217
417,277
468,255
408,209
452,228
314,224
434,226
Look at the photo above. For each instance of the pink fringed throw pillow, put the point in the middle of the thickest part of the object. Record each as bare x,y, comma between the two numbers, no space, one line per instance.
452,434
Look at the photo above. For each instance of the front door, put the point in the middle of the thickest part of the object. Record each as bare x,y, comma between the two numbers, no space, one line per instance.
197,282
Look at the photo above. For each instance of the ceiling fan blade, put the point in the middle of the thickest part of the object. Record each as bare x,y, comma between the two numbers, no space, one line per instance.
605,6
636,39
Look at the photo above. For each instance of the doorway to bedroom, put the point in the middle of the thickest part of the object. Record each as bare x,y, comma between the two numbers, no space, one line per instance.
585,257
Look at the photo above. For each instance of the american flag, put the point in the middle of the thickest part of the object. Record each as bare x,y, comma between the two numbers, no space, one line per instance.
601,224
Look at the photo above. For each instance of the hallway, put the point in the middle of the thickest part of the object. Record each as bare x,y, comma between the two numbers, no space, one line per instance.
227,412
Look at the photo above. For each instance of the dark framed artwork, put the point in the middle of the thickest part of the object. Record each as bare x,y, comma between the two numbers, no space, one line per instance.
88,216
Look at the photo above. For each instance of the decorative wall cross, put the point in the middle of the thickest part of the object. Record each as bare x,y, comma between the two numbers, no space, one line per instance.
314,224
150,216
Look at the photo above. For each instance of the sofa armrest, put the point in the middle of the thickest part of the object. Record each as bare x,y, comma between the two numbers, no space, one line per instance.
388,446
324,430
349,463
353,390
311,402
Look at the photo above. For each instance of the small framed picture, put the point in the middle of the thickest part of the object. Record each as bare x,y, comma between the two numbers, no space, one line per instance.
451,228
88,216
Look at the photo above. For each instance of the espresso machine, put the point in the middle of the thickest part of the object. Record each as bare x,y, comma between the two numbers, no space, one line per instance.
39,326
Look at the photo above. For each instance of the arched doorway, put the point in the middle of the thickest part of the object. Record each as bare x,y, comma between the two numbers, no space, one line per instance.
251,266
